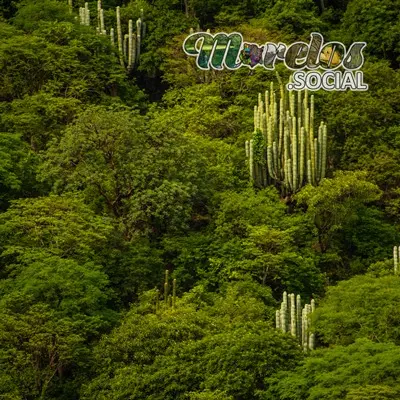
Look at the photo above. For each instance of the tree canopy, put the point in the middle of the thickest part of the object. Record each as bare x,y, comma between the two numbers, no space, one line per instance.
145,255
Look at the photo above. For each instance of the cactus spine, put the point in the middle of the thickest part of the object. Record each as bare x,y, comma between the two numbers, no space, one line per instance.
291,317
291,155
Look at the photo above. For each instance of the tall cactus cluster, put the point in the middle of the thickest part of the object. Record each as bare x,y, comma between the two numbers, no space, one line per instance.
284,148
84,14
168,297
291,317
396,258
129,44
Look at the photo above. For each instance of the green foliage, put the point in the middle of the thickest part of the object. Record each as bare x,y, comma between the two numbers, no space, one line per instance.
31,13
197,346
374,22
294,18
373,392
51,312
104,186
132,267
364,129
39,117
59,225
62,59
259,147
362,125
205,111
48,322
128,167
53,296
207,395
162,22
362,307
361,369
253,235
17,169
344,223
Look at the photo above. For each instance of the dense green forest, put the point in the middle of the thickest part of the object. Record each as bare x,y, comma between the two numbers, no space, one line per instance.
121,160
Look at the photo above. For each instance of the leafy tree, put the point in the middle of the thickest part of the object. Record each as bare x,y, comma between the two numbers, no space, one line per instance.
164,20
363,128
207,395
199,345
50,313
130,168
154,178
132,267
214,362
344,224
53,295
39,117
254,235
65,227
362,125
362,370
362,307
299,17
32,13
62,226
17,169
376,23
64,59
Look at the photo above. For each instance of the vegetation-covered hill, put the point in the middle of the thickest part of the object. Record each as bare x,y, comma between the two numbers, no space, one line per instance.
120,160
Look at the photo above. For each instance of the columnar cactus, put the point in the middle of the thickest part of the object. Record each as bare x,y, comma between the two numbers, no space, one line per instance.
291,317
112,37
128,44
119,36
166,287
139,29
283,149
396,257
174,293
102,30
169,299
84,15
